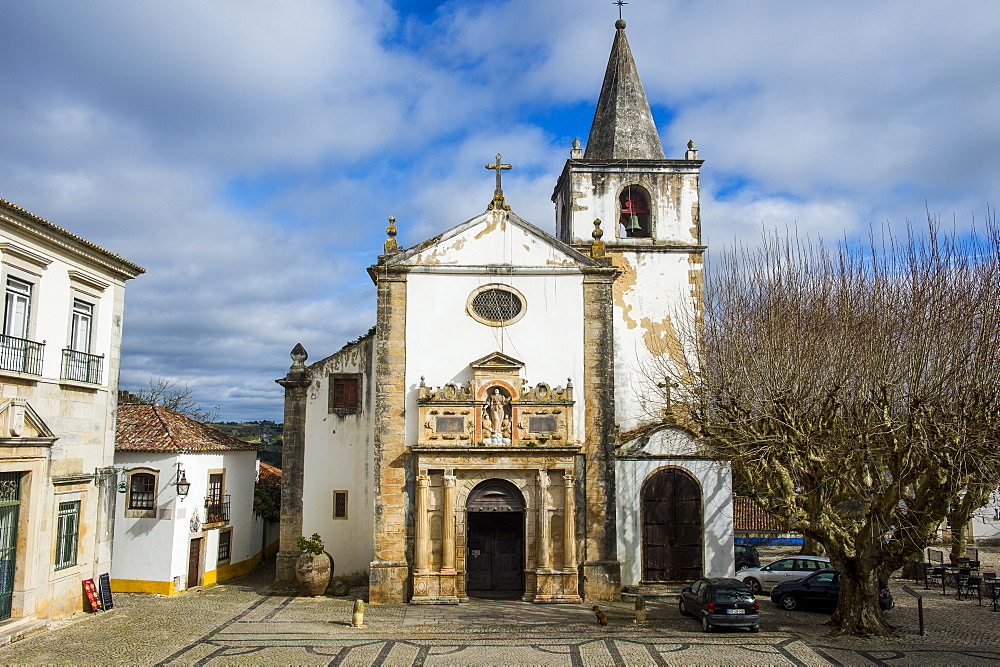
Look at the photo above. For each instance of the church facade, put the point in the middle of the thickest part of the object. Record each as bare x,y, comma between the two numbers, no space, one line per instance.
501,431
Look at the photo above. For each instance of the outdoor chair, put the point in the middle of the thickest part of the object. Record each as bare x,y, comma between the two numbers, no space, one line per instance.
934,574
970,584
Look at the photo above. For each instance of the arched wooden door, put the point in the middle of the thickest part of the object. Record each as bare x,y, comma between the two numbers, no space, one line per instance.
671,527
495,539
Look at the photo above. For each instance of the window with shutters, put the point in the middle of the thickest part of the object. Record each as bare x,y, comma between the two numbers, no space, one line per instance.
345,394
225,545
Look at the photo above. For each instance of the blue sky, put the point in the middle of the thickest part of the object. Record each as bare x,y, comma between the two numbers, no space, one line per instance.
248,153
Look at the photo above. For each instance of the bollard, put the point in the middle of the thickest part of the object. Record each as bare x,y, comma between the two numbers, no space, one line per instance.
358,617
640,609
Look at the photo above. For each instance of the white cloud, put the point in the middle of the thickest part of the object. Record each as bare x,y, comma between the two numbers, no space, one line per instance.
248,153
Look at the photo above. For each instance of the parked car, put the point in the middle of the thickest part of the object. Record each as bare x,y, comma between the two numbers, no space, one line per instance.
719,602
746,556
763,579
820,590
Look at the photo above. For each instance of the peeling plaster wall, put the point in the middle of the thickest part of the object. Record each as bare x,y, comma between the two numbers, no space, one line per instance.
338,457
654,301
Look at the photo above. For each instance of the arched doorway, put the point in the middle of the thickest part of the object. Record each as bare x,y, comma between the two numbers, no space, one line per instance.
671,527
495,540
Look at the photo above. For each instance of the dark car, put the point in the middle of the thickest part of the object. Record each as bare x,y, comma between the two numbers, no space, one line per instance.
746,556
720,602
820,590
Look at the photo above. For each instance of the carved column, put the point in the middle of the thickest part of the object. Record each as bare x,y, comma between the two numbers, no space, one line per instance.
448,527
544,547
569,522
422,527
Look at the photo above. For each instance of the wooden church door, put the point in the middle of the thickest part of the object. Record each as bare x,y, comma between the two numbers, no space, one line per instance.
671,527
495,538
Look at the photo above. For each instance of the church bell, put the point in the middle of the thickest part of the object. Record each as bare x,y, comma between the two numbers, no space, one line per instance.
633,223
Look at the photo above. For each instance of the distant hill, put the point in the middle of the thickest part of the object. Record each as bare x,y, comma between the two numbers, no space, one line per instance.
264,433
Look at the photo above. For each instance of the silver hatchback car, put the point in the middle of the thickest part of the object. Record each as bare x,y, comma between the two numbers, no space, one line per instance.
763,579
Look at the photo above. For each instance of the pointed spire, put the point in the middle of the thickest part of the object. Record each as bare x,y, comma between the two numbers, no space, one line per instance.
623,125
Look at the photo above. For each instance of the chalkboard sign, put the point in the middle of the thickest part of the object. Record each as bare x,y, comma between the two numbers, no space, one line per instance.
106,600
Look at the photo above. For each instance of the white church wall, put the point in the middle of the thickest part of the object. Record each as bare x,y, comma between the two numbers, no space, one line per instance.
715,480
339,458
441,340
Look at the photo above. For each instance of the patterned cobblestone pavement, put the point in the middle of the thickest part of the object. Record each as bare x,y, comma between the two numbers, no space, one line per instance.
240,622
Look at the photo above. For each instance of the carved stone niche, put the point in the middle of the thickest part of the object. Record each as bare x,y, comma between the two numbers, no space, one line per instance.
496,409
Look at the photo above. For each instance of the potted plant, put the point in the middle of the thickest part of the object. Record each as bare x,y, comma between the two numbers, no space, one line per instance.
314,566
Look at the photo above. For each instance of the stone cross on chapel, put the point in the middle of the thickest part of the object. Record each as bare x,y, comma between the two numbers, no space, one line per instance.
498,200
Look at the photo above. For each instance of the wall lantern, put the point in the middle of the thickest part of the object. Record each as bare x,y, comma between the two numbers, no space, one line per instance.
183,486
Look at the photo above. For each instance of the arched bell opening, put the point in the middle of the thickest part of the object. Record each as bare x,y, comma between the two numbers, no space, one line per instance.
634,212
495,540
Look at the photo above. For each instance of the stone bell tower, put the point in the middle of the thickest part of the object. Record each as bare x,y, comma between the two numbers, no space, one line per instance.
649,213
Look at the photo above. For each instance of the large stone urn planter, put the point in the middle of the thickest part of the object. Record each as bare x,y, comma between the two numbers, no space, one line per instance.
312,572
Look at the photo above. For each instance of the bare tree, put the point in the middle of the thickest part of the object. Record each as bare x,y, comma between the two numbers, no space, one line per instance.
169,394
856,390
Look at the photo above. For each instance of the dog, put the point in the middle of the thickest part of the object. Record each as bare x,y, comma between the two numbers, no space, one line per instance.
601,618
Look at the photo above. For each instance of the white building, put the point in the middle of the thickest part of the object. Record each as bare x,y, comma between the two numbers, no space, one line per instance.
59,356
501,430
185,513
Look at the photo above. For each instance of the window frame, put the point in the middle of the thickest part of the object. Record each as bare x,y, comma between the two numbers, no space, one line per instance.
225,537
471,311
81,311
27,296
145,512
67,541
344,494
341,407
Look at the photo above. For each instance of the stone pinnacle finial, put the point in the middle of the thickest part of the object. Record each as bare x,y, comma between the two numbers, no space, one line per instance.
691,153
597,247
576,152
391,247
298,355
620,24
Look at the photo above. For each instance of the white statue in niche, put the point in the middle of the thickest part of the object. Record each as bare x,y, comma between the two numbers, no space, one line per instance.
496,417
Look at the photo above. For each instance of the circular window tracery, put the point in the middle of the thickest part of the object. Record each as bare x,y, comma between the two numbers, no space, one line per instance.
496,305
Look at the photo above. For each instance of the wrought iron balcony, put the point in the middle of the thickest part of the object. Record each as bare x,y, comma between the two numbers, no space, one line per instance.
21,355
217,509
82,367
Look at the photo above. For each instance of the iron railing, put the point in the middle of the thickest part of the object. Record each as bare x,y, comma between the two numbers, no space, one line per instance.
217,509
82,367
21,355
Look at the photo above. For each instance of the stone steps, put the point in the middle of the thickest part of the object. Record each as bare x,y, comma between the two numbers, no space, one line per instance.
654,590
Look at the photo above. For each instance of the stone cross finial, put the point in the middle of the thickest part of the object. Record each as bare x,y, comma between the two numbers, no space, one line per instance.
391,247
619,3
498,200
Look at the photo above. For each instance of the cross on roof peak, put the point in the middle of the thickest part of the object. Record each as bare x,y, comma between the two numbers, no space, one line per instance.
619,3
498,200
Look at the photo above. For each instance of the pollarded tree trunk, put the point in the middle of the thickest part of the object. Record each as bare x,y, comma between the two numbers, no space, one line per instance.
811,547
857,611
959,540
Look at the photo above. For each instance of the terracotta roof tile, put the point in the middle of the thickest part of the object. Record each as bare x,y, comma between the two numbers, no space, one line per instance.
269,474
154,428
748,515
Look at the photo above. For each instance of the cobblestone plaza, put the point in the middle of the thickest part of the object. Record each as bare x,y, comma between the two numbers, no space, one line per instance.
244,622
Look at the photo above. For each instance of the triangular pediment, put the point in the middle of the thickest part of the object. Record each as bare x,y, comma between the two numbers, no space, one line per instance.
497,361
19,420
493,238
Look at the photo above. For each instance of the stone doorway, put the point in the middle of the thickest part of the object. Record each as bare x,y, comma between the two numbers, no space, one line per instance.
671,527
495,540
